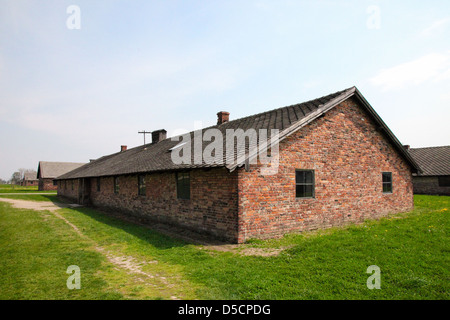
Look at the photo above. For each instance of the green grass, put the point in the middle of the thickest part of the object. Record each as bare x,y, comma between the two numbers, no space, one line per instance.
411,249
35,251
33,197
8,188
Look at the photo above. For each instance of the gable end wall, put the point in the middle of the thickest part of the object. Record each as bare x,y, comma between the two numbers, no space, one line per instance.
46,184
348,155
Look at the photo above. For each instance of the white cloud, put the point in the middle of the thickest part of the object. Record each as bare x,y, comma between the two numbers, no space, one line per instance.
432,67
436,27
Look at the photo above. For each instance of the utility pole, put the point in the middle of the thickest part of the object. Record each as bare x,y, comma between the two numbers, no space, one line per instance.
144,133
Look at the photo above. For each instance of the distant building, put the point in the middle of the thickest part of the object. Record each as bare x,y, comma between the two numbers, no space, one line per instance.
435,165
30,179
48,171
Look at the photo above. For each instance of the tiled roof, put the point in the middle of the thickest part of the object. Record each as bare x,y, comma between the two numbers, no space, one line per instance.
52,170
157,157
434,161
29,176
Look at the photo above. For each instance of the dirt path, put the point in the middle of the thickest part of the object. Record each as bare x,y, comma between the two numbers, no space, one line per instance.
36,205
128,263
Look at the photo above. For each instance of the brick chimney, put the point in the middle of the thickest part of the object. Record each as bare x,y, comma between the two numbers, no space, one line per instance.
159,135
406,146
223,117
123,148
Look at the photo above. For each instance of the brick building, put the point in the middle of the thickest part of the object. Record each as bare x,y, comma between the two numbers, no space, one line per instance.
48,171
435,165
29,179
338,163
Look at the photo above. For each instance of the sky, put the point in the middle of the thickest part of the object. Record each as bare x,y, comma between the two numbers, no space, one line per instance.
78,79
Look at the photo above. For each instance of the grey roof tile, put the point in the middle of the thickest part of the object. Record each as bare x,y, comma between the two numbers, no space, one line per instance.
434,161
47,169
30,176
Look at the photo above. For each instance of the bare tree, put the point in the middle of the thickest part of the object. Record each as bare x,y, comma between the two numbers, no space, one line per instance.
16,177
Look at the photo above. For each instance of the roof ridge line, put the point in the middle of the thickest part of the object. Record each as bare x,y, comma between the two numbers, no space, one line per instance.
291,105
266,112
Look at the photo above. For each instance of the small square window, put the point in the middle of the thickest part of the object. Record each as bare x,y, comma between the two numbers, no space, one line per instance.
304,184
141,185
444,181
387,182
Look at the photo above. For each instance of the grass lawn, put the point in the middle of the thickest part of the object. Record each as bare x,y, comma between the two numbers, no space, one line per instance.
36,247
33,197
8,188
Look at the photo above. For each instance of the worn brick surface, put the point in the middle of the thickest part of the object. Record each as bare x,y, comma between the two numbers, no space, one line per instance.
348,155
30,183
46,184
429,185
66,189
212,208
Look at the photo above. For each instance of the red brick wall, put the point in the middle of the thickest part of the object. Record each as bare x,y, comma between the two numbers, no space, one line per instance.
30,183
46,184
212,208
65,189
348,155
429,185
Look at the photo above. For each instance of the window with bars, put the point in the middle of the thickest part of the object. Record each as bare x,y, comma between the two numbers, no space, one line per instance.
387,182
304,183
183,185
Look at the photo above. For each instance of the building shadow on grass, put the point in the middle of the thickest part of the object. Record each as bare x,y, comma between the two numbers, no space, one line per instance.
159,235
